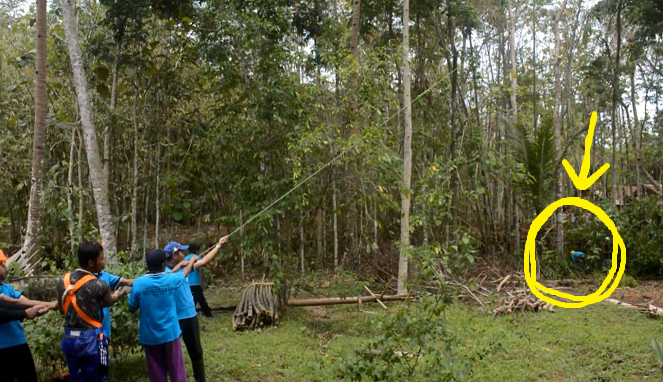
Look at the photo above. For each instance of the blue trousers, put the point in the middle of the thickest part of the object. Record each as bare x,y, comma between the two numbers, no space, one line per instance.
87,355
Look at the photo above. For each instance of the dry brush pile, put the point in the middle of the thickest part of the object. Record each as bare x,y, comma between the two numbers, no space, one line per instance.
258,307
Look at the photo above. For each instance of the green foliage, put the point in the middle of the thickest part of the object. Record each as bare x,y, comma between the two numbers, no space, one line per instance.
412,344
627,281
658,352
639,223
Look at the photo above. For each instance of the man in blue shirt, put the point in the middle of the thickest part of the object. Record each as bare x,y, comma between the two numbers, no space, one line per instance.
16,362
159,331
186,308
194,283
81,300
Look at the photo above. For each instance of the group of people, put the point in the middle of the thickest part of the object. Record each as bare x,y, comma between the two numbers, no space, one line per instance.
165,297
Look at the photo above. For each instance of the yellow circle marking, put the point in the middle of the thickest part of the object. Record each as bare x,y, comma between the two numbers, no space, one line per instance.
530,248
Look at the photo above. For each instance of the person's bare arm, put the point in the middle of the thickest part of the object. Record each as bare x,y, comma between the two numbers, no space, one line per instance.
9,300
24,301
179,266
111,298
212,254
126,282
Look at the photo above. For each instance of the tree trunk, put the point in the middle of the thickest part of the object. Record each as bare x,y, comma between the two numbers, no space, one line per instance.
615,100
113,104
134,195
81,193
320,223
352,205
301,240
70,189
514,109
30,244
534,101
241,248
557,121
634,130
157,207
106,226
335,223
407,155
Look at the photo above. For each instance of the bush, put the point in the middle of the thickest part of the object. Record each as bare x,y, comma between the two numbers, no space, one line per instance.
412,344
640,224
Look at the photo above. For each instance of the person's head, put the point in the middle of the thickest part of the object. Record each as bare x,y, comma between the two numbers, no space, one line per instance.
193,248
91,257
174,253
155,260
3,266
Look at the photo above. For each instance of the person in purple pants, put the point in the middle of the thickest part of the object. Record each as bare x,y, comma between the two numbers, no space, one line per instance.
159,330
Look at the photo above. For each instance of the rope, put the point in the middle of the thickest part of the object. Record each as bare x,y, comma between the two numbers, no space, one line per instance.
352,146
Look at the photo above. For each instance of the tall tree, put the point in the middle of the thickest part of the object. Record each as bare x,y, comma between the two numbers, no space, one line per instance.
32,233
407,154
557,122
100,191
616,99
352,205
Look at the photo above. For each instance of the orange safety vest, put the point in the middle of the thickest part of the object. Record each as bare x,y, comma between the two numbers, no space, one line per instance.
69,298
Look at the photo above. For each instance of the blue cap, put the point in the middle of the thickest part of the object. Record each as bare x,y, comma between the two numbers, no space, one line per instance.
173,247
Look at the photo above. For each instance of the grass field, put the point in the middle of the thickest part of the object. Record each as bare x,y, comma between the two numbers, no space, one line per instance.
597,343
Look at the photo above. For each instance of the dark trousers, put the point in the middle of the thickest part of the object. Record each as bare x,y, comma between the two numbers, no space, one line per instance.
87,355
191,338
17,364
199,298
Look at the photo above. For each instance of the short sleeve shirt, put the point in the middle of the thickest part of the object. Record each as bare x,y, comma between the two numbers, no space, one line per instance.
154,295
194,276
113,282
89,299
11,333
186,307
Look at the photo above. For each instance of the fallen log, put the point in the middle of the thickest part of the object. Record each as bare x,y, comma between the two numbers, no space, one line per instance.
340,301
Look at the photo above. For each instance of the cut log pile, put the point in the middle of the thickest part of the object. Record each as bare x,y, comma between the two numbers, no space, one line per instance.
258,307
520,300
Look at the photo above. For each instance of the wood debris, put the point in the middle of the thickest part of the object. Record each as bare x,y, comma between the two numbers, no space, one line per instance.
258,307
521,300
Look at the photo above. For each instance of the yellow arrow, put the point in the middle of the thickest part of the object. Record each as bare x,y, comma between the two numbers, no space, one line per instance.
583,182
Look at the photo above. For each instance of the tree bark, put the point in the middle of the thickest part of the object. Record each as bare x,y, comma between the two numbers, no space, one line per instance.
134,195
335,223
634,130
31,241
70,189
615,100
320,223
301,240
407,155
157,207
352,205
514,109
106,226
557,121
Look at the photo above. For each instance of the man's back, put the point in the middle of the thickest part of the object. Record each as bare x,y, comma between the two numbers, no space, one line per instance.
154,295
194,277
89,299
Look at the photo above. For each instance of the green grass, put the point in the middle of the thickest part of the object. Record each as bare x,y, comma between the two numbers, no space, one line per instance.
597,343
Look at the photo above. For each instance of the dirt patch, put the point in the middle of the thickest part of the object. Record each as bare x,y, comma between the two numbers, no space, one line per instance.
318,313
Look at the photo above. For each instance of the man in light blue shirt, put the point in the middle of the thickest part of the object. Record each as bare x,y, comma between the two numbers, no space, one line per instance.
159,332
194,283
186,308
